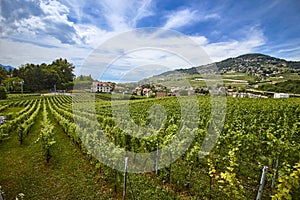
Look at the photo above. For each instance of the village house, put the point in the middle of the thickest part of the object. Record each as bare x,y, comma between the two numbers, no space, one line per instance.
147,92
103,87
138,91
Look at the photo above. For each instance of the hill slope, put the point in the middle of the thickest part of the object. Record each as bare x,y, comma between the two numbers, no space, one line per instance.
255,64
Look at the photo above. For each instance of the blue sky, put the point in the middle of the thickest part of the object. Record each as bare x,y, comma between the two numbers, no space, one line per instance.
37,31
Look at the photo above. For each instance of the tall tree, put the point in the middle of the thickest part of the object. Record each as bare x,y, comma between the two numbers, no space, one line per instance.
33,78
3,74
64,70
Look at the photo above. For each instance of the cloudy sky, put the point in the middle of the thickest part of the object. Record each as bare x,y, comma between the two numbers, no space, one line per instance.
40,31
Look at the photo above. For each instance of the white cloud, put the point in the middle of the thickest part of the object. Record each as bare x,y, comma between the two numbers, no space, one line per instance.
200,40
283,50
41,19
16,53
187,17
29,27
253,39
143,11
123,15
180,18
37,19
55,11
213,16
288,52
90,35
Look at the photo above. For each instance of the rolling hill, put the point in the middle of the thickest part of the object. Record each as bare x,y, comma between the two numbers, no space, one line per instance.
256,65
245,71
248,63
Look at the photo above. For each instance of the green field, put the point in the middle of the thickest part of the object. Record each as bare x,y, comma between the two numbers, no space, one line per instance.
256,133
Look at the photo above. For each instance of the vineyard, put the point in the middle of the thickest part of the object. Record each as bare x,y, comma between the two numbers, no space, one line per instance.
49,149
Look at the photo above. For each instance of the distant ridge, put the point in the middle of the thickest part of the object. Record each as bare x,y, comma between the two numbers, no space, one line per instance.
244,63
7,67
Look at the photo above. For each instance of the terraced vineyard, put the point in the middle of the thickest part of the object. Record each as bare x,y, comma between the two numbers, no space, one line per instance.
256,133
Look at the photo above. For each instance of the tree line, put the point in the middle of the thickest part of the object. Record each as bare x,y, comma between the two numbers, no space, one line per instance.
57,75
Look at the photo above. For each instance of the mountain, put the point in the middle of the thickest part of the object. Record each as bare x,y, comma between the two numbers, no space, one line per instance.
254,64
256,61
7,67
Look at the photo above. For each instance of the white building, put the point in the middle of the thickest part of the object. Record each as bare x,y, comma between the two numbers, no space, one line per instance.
104,87
281,95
